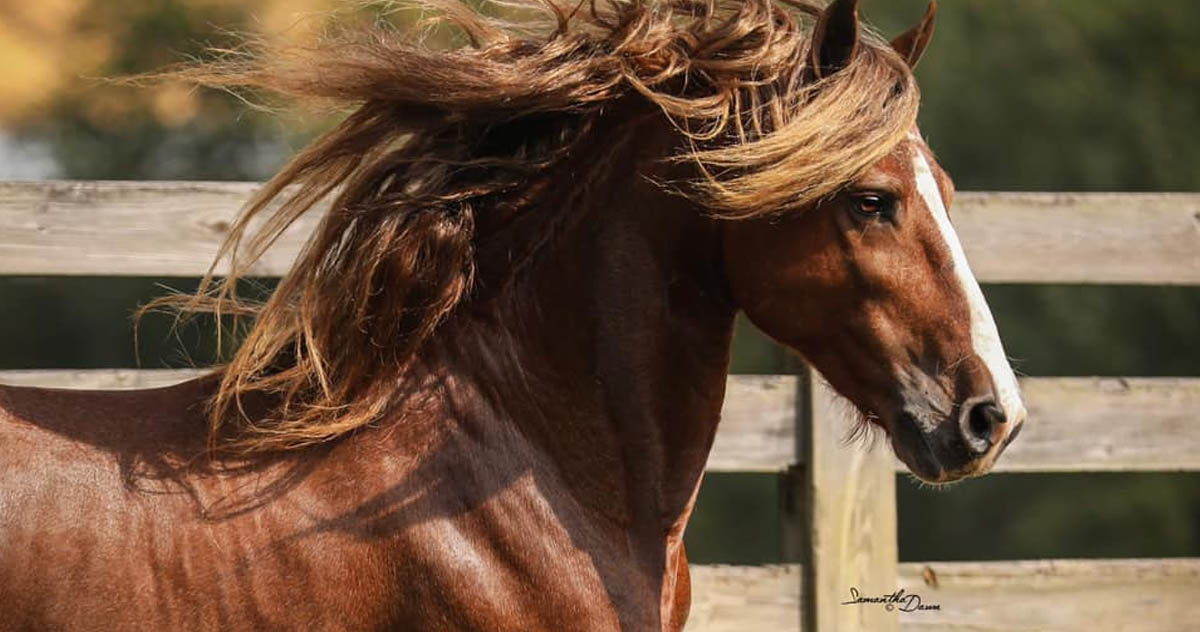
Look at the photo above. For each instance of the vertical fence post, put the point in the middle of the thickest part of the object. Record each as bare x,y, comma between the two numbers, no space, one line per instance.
851,516
794,489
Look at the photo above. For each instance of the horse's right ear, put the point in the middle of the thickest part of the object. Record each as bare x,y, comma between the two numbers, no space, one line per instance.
911,45
835,38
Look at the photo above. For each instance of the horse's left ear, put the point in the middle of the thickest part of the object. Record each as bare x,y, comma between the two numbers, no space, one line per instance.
835,38
911,45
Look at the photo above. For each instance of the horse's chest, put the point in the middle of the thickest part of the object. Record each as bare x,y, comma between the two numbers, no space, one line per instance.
518,559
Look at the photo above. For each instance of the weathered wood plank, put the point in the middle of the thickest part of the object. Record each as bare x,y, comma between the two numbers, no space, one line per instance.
98,378
757,430
851,521
126,228
745,598
1146,595
1107,424
173,228
1081,237
1075,424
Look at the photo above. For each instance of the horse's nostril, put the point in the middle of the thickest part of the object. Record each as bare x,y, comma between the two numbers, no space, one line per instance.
982,421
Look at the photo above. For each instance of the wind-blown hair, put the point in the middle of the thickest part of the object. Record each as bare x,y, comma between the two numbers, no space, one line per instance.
439,142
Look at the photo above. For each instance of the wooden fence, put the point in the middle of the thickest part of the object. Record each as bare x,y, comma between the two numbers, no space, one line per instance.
840,516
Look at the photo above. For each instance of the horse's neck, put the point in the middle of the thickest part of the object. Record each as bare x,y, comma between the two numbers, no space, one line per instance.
610,353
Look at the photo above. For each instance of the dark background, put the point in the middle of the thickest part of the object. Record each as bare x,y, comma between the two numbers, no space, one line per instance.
1070,95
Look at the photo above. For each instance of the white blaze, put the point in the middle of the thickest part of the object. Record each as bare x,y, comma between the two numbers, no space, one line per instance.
985,340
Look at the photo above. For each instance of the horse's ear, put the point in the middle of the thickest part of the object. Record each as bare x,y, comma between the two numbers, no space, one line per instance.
835,38
911,45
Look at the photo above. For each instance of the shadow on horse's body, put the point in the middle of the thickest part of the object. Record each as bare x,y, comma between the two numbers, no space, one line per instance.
484,396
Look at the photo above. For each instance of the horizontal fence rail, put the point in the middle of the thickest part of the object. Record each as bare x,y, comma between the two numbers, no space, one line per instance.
1074,424
173,228
1132,595
745,598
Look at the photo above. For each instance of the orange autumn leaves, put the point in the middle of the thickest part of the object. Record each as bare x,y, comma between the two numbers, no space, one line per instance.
55,51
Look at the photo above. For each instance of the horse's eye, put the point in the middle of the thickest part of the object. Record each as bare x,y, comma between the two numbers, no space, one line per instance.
872,205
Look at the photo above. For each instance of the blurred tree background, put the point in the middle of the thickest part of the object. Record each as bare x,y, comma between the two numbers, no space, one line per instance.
1031,95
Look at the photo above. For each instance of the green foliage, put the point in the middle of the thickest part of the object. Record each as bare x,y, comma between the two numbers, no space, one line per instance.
100,130
1056,330
1029,516
1068,95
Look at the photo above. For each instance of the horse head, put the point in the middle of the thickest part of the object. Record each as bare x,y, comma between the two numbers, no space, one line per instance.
871,285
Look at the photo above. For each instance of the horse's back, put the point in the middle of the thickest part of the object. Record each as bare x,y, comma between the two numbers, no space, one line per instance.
109,419
56,435
72,527
63,441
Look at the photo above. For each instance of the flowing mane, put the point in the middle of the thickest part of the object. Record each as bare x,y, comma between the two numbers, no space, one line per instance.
441,149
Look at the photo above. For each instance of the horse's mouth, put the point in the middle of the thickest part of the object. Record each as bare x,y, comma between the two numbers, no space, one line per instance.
934,460
914,449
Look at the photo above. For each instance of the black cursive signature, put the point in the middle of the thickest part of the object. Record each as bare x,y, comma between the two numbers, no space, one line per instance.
905,602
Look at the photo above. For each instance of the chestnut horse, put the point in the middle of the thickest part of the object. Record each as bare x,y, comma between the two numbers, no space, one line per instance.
484,396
